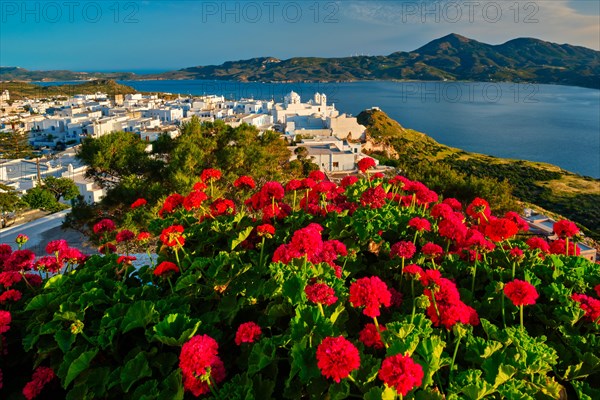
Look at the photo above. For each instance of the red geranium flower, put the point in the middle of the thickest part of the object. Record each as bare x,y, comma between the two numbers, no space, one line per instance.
143,236
199,362
320,293
124,236
432,250
5,319
403,250
337,357
171,203
294,184
194,200
590,305
164,268
9,278
126,259
210,174
560,247
55,246
539,244
366,163
19,260
597,289
222,207
500,229
401,373
244,182
139,203
104,226
371,293
41,376
479,209
10,295
521,292
370,337
108,248
565,229
348,181
316,175
373,197
247,332
266,230
420,224
173,236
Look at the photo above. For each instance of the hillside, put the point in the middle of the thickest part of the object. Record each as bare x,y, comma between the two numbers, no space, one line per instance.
22,74
452,57
559,191
19,90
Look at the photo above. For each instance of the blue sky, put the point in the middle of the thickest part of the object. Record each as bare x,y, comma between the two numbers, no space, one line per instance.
107,35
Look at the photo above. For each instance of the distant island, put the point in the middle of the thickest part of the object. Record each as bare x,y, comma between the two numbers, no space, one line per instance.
450,58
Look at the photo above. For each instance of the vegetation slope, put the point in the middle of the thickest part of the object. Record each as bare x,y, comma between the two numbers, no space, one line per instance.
456,172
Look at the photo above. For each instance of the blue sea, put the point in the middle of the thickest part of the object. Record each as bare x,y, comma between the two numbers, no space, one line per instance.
549,123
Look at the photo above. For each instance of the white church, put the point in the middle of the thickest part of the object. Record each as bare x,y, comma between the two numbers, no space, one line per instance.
315,118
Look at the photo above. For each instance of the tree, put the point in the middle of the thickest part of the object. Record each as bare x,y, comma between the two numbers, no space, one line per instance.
61,187
9,203
15,144
115,155
39,197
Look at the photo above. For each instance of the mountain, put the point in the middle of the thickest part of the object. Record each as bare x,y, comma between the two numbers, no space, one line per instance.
19,90
451,58
22,74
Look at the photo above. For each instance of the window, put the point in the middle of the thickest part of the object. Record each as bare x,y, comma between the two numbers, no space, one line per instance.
336,164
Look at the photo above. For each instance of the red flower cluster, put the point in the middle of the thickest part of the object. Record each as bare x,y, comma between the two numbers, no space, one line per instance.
200,364
19,260
371,293
194,200
320,293
173,236
366,163
432,250
420,224
107,248
516,218
479,209
138,203
10,295
41,376
560,247
537,243
337,357
266,230
370,337
499,229
316,175
170,204
210,174
373,197
5,319
56,246
521,293
244,182
126,259
565,229
448,308
401,373
247,332
104,226
165,268
348,181
597,289
124,236
143,236
590,305
9,278
222,206
403,250
308,242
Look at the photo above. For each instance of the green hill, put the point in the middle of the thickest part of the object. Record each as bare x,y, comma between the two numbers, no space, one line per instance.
452,57
19,90
459,173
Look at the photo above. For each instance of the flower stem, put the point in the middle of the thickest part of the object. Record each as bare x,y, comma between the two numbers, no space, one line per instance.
567,246
454,355
503,312
170,285
474,273
379,331
262,253
521,316
321,309
414,302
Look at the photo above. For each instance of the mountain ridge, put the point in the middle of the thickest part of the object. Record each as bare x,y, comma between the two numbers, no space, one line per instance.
450,58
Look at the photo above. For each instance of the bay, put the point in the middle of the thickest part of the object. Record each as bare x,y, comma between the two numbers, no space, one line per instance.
548,123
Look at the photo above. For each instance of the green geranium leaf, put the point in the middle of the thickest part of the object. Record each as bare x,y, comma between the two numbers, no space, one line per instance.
79,365
243,235
139,315
64,339
134,370
175,330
